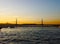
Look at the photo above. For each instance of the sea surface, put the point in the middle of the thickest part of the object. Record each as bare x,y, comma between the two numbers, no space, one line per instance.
30,35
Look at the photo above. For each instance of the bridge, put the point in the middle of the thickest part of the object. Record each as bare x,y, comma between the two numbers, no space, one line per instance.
28,25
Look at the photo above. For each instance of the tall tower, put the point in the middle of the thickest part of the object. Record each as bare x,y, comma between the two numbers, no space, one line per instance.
16,22
42,22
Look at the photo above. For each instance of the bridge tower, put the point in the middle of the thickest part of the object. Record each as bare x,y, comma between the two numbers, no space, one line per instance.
42,22
16,22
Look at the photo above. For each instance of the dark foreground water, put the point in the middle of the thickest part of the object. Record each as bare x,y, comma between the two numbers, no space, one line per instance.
30,35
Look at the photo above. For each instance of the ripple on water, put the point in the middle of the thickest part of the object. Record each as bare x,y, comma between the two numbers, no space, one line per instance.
34,35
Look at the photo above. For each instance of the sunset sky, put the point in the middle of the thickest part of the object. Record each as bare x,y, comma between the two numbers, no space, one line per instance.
30,11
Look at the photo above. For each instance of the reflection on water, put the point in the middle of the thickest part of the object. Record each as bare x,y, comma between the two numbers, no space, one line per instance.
30,35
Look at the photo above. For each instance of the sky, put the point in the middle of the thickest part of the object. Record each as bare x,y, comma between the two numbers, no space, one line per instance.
30,11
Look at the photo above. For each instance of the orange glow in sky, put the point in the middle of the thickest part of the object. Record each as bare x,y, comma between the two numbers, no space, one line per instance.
30,11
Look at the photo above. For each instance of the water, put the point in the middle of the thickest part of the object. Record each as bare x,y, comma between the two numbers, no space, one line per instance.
30,35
